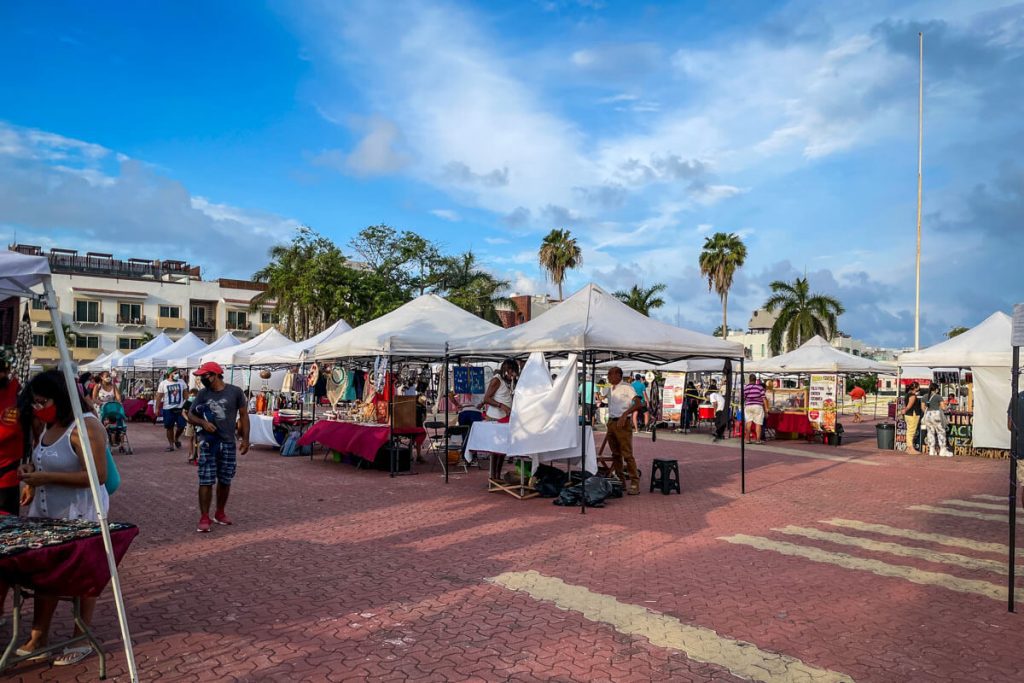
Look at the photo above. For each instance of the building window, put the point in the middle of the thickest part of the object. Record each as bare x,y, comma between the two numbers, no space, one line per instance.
762,350
170,311
128,343
129,313
38,305
87,311
83,341
270,318
238,320
41,340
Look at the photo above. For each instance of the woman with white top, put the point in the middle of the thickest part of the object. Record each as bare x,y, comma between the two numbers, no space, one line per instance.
57,486
497,403
105,391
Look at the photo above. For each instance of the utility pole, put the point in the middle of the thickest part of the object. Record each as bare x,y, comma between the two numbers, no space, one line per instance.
920,142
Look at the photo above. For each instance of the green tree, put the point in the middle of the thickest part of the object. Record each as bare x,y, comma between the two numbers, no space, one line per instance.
70,336
470,287
717,332
559,253
956,332
642,299
869,383
722,255
801,314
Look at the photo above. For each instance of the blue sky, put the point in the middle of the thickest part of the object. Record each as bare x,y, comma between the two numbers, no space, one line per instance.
211,130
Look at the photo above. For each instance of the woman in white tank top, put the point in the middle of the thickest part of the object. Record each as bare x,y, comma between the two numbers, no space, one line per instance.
58,486
497,401
105,391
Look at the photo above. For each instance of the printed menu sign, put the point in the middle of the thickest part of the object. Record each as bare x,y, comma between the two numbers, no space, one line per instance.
821,402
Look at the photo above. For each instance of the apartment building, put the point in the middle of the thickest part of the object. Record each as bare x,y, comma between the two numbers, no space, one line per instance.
759,327
109,303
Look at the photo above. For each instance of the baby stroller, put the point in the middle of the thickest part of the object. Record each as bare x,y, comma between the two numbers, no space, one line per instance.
116,422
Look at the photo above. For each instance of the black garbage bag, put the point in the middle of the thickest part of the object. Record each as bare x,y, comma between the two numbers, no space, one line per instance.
550,481
569,496
575,477
597,489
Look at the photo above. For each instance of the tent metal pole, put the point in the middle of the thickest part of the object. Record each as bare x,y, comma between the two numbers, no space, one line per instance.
90,469
743,429
583,445
444,392
1015,446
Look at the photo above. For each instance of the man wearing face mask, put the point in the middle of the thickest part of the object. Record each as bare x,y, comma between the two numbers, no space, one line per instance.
11,440
214,412
170,397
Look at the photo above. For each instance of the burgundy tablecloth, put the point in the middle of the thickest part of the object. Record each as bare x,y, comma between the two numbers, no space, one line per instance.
789,422
363,440
134,406
65,557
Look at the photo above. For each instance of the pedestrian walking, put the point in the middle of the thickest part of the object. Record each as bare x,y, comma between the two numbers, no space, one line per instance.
935,424
170,397
912,413
215,411
755,406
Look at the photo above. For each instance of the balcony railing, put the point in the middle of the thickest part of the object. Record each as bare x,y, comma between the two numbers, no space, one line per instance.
133,320
238,325
39,315
40,353
97,321
201,324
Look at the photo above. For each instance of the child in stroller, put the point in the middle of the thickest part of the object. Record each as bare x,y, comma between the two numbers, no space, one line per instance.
116,422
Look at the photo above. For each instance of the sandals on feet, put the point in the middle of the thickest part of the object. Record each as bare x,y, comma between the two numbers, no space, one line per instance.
22,652
72,655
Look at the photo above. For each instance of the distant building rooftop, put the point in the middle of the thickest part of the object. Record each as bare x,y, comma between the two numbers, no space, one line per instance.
762,320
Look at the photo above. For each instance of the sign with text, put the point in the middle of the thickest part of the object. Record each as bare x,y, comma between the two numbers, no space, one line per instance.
821,402
672,396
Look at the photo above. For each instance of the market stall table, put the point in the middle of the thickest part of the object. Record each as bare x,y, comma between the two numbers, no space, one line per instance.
494,437
133,407
57,557
361,440
791,423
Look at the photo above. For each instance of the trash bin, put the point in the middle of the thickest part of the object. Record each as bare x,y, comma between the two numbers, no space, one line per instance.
886,435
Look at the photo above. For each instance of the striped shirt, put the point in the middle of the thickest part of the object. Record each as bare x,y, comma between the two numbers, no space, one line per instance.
753,395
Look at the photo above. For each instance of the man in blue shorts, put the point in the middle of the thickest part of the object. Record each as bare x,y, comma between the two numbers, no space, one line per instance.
170,397
215,412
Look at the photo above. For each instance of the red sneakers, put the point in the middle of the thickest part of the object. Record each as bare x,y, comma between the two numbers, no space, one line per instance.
222,518
204,524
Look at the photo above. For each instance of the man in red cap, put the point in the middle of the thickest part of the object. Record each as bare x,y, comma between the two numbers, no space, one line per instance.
215,412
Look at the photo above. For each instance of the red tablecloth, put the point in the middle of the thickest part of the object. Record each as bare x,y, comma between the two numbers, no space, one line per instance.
789,422
363,440
295,420
59,556
134,406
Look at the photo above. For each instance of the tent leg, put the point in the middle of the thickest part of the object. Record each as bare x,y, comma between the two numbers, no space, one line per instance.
1014,455
444,392
743,431
90,469
583,446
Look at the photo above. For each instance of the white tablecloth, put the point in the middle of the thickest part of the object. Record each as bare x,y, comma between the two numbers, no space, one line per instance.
261,430
493,437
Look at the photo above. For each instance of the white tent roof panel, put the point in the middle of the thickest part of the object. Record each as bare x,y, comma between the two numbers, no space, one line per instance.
296,352
986,345
817,355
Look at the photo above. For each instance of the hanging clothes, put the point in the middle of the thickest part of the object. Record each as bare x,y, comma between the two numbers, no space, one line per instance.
286,383
351,391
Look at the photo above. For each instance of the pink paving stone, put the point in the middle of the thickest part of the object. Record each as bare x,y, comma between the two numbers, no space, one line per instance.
330,573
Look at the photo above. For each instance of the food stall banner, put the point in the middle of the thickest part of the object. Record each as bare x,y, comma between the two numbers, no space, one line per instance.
821,401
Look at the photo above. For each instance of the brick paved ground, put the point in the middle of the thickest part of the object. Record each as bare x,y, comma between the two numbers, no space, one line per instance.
336,574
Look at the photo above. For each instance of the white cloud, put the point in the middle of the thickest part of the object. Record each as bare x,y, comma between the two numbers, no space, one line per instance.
378,152
447,214
71,191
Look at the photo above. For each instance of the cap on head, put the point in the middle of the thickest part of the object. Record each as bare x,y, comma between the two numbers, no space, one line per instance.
209,368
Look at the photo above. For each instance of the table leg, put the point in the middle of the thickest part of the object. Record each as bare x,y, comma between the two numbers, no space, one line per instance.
84,628
16,602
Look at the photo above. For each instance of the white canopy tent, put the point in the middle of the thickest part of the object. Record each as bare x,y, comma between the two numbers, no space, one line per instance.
986,350
242,353
817,355
296,352
184,347
422,328
594,321
20,275
153,346
192,360
104,362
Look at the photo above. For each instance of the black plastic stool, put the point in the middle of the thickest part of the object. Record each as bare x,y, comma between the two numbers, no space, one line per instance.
665,476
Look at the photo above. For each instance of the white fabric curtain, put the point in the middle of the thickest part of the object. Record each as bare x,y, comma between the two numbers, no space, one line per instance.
545,414
992,391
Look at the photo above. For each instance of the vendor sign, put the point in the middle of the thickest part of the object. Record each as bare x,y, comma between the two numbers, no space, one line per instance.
672,397
821,402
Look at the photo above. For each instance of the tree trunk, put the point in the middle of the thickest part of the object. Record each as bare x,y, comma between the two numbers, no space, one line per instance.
725,321
560,290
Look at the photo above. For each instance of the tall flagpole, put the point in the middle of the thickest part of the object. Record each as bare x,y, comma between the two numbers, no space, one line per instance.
920,142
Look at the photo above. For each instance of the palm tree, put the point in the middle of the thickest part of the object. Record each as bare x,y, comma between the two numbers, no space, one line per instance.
469,286
70,336
559,253
722,254
801,314
642,299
